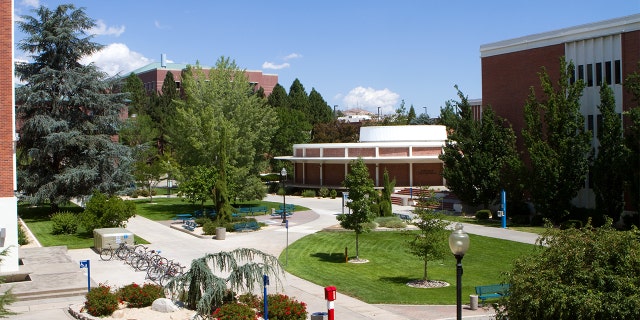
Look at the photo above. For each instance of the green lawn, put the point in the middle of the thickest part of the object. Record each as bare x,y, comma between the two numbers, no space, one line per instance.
496,224
319,258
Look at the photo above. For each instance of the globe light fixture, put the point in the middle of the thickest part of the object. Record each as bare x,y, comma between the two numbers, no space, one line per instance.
459,244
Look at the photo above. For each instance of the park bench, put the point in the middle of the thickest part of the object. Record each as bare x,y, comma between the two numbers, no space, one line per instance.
190,225
246,226
492,291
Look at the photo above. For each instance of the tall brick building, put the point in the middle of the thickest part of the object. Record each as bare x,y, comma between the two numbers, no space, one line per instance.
605,51
8,200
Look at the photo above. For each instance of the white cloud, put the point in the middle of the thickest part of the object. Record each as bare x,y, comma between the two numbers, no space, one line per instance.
101,29
271,65
160,26
292,56
31,3
117,58
370,99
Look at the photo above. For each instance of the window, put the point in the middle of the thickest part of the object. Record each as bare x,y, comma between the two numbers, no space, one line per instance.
599,122
607,72
618,72
590,75
590,124
581,72
598,74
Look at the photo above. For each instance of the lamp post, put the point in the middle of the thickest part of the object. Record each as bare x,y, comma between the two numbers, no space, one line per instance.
459,244
283,176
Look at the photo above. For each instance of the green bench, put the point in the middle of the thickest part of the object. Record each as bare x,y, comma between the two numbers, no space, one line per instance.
246,226
493,291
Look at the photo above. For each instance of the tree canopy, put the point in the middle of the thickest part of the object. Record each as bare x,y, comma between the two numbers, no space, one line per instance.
70,112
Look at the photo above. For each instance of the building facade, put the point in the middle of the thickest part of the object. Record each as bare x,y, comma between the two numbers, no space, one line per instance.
605,51
8,200
153,74
408,153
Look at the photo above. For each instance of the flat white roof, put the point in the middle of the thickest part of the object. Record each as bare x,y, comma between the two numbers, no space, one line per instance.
581,32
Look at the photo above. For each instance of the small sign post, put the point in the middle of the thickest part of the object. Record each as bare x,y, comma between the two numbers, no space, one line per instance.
86,264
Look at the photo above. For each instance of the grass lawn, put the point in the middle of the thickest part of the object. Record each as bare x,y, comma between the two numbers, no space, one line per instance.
496,224
320,258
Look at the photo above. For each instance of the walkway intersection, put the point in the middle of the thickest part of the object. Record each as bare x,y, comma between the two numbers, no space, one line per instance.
184,247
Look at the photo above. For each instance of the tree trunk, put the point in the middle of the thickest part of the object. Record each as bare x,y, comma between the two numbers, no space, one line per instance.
357,249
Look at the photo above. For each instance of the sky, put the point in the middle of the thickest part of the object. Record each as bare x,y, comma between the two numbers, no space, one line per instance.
357,54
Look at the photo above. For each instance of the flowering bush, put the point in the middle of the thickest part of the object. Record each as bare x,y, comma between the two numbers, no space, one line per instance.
282,307
235,311
140,296
101,301
251,300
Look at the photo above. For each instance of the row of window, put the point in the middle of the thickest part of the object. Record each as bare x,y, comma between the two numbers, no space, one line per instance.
598,73
598,123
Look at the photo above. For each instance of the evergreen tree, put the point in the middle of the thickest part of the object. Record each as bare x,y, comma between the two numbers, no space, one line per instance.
632,141
278,97
69,112
476,153
385,197
320,111
610,163
298,98
138,98
557,143
361,196
412,115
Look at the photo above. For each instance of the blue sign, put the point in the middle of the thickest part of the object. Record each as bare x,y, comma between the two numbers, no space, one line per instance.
84,264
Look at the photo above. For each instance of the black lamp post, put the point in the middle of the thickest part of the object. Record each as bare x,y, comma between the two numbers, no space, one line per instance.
459,244
283,176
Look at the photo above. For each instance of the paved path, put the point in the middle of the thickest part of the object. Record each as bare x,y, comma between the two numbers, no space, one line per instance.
184,247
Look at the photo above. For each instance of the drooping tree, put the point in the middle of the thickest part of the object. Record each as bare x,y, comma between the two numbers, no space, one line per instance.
70,112
610,163
477,152
558,145
361,196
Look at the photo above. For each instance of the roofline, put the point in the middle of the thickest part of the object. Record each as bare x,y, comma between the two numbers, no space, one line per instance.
560,36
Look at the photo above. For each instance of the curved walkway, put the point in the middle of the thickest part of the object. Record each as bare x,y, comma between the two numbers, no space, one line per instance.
184,247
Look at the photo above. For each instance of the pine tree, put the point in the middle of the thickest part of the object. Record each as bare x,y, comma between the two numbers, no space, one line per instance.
320,111
69,111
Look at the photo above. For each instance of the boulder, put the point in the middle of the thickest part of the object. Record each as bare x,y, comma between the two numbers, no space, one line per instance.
164,305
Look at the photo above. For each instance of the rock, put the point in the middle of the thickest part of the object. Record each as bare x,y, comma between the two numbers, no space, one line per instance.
164,305
118,314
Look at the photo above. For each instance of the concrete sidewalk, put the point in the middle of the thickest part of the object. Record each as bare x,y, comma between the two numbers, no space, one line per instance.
183,247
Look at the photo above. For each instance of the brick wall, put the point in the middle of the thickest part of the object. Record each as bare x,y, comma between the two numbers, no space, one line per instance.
393,152
6,101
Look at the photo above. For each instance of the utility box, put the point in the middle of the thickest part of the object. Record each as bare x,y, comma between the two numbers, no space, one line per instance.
319,316
111,238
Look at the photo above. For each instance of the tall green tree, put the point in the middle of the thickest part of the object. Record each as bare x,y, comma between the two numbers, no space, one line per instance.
556,141
430,243
298,99
385,197
336,131
162,112
319,110
611,160
138,98
361,197
278,97
632,141
411,116
477,152
215,101
69,112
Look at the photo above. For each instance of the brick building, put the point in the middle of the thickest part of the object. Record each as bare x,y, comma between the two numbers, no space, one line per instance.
8,200
408,153
153,74
605,51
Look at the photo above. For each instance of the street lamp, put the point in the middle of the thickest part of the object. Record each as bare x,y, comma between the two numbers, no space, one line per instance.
459,244
283,176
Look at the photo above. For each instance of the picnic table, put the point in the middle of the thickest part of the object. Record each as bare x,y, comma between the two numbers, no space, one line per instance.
183,216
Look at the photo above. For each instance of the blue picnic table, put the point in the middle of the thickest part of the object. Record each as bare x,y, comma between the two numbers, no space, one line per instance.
183,216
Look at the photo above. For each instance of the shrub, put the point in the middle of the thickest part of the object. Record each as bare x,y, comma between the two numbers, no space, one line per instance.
251,300
520,219
233,311
64,223
103,212
101,301
385,208
333,193
140,296
202,221
308,193
577,224
22,235
369,225
537,220
209,228
282,307
323,192
391,222
483,214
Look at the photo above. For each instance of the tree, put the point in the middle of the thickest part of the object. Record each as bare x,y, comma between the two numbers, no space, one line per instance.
385,197
610,163
102,211
278,97
557,144
148,173
588,273
320,111
336,131
162,111
430,243
209,278
361,195
137,96
412,115
199,184
69,112
400,117
632,141
299,100
477,152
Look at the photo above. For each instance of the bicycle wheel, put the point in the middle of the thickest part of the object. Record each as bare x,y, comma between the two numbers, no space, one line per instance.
122,252
106,254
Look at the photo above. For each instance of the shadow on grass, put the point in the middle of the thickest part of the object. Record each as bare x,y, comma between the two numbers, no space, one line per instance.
396,280
329,257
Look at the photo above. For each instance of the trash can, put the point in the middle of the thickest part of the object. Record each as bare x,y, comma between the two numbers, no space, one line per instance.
221,233
473,301
319,316
111,238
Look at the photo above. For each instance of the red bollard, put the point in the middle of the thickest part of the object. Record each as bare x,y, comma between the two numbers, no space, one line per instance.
330,296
